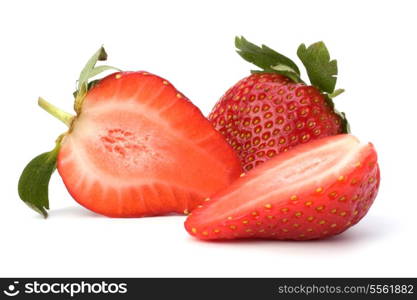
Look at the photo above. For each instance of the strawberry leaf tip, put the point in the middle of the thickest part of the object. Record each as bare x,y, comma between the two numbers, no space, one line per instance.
345,123
336,93
90,70
286,71
34,181
267,59
321,71
99,55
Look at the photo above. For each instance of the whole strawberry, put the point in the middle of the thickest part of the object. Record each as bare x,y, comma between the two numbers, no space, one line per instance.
273,110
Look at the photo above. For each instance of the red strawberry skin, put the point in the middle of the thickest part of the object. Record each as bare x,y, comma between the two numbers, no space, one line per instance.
141,148
314,191
266,113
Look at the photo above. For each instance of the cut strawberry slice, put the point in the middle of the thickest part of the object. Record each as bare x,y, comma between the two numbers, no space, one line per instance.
140,148
313,191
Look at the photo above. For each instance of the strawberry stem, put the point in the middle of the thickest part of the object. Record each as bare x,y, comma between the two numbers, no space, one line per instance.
61,115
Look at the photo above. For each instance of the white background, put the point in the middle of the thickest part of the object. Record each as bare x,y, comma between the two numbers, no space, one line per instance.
43,46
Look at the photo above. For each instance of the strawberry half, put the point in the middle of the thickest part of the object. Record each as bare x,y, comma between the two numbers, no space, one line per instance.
138,147
313,191
273,110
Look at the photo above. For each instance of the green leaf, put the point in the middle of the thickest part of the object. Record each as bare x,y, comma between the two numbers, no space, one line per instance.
345,123
90,70
85,73
320,69
264,57
100,69
89,86
336,93
286,71
34,181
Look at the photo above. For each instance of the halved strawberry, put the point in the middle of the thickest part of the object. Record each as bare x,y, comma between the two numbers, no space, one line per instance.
313,191
140,147
137,147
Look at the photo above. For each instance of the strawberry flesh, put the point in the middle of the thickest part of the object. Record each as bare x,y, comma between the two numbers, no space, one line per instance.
140,148
313,191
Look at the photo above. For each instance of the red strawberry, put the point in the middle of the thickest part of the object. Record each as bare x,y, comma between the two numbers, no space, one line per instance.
138,147
273,110
313,191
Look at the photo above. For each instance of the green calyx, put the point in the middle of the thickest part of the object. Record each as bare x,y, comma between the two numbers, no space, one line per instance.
321,70
89,71
34,180
267,59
